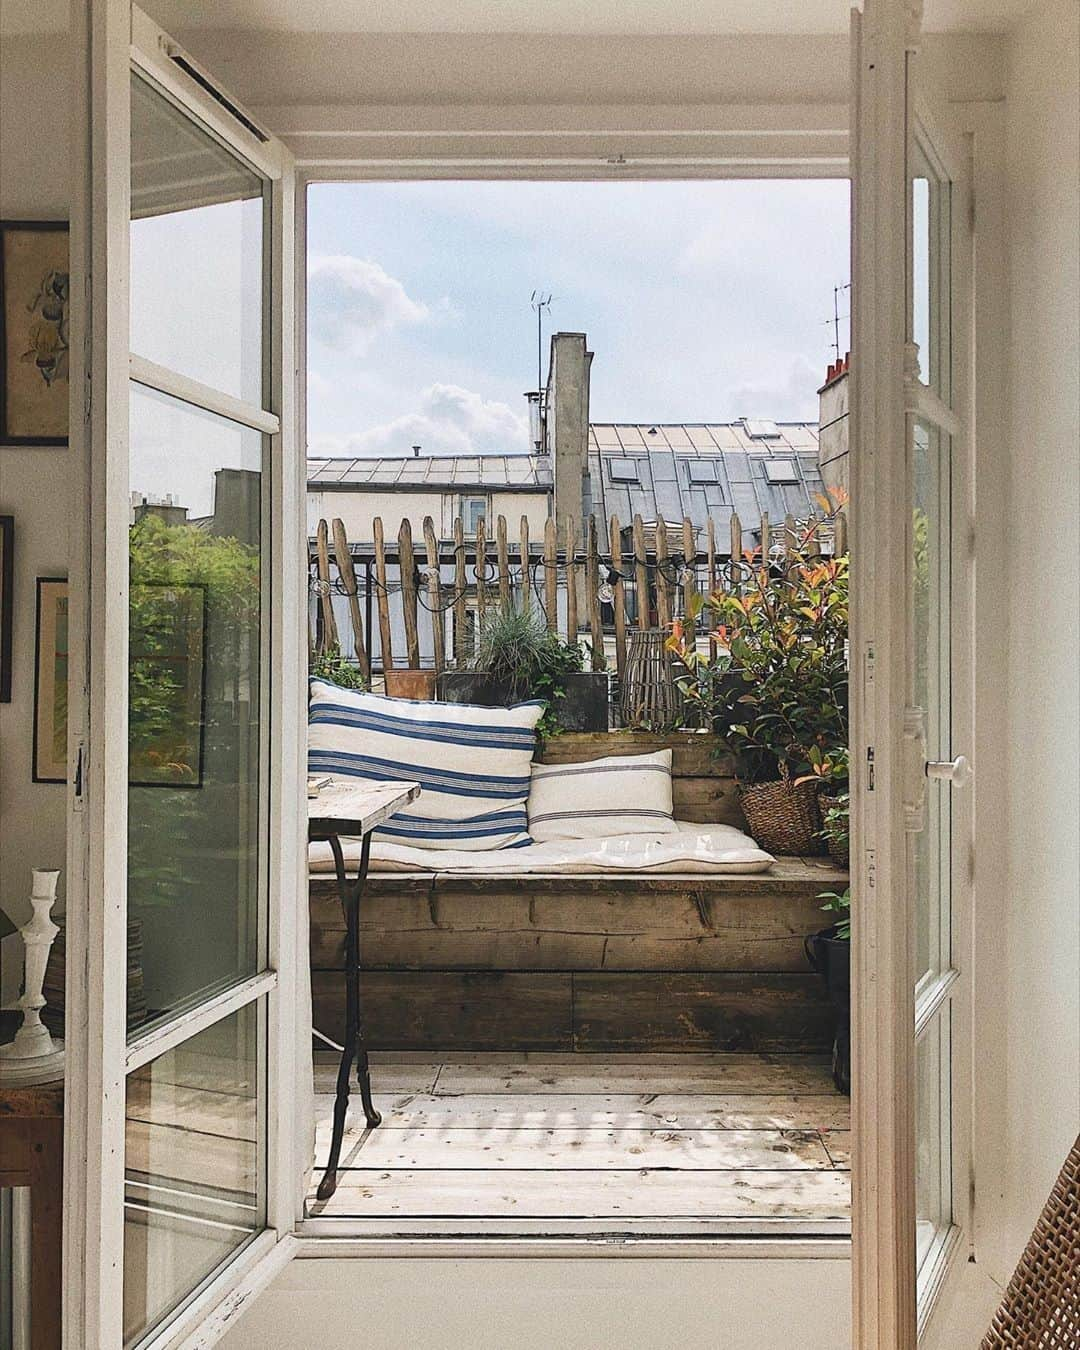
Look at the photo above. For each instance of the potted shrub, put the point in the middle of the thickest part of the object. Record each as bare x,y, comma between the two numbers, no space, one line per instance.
518,657
829,953
777,692
330,664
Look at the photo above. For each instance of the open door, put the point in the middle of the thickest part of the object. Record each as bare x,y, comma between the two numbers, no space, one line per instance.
911,683
185,842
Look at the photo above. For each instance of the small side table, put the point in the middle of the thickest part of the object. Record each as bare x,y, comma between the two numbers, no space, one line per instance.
352,810
32,1154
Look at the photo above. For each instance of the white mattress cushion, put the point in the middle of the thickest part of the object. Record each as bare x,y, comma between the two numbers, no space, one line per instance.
602,798
694,850
472,763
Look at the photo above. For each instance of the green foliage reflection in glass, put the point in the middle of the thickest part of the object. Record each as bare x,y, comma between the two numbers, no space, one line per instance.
185,579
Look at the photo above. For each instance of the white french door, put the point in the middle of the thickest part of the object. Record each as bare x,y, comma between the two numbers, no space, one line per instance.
185,847
912,681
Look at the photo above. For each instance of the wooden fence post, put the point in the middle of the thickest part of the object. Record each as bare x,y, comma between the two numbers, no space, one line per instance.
551,574
481,572
619,602
840,542
710,537
641,574
326,597
736,552
526,571
689,548
347,573
503,551
382,596
407,568
663,598
592,585
571,581
461,584
431,544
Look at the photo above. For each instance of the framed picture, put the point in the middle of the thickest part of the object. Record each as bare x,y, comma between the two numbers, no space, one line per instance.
167,686
34,311
51,681
7,579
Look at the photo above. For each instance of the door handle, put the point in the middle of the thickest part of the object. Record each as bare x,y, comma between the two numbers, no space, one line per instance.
955,771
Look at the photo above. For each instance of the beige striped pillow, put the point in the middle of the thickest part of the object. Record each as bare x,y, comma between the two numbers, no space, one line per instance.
622,794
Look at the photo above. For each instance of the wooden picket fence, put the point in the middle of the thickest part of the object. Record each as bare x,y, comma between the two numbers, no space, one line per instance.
654,571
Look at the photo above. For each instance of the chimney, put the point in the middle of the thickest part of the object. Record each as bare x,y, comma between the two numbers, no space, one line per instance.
416,452
833,425
566,425
536,424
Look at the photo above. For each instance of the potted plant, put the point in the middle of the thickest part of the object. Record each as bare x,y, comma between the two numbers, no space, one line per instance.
332,665
829,953
518,657
777,691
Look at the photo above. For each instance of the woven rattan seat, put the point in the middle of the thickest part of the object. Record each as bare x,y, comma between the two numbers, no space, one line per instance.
1041,1307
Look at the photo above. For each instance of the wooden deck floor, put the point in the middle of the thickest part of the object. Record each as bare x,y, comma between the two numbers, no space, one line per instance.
711,1141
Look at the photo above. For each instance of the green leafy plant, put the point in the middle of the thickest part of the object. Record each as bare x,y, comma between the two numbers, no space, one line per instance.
836,822
518,651
330,664
838,904
780,684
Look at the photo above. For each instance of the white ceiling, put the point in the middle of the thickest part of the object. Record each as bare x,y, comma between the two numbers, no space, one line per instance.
660,17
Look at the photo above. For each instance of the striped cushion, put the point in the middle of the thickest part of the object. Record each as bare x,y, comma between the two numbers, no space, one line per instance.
623,794
472,764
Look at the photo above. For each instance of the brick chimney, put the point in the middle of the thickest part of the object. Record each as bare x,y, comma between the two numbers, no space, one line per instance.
833,425
567,425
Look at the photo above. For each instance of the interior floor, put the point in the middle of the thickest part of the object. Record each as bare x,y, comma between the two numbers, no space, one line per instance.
647,1142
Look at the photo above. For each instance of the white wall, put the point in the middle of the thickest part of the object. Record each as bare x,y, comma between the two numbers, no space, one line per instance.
620,1303
357,510
34,155
1040,944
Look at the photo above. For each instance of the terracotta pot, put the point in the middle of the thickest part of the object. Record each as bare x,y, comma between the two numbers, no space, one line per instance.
418,685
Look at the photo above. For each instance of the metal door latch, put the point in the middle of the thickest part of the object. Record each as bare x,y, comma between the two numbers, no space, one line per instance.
955,771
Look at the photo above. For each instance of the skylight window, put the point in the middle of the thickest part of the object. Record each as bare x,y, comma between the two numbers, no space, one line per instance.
702,471
781,471
622,471
761,429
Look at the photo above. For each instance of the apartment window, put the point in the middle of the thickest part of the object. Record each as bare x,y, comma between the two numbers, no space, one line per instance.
622,471
781,471
473,510
761,428
702,471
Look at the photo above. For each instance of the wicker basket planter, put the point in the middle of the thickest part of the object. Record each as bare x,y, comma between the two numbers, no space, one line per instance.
784,817
839,849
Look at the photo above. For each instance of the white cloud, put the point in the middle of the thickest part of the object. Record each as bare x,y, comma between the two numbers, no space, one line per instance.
450,421
789,397
352,300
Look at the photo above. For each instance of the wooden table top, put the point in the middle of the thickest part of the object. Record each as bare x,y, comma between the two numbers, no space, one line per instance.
348,807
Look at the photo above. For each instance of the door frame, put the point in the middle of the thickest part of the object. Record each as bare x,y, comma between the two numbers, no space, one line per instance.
110,39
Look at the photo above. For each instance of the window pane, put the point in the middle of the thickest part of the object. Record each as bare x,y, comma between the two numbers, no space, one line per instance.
196,251
931,848
920,279
193,1157
194,723
933,1207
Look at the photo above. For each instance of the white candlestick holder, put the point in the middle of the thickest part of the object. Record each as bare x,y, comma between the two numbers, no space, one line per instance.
34,1056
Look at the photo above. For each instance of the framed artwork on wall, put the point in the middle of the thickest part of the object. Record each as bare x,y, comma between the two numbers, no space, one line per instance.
34,312
51,681
7,588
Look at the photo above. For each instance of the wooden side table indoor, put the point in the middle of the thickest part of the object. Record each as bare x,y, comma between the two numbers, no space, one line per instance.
32,1154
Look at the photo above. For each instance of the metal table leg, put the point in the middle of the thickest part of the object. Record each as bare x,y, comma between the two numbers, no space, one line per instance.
354,1045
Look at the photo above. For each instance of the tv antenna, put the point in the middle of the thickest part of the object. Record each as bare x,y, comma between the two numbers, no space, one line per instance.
834,322
539,301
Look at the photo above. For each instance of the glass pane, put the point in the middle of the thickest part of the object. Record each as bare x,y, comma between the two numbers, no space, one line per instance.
196,251
194,731
930,272
931,848
193,1156
933,1207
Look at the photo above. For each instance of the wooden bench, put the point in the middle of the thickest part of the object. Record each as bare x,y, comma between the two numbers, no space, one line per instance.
588,963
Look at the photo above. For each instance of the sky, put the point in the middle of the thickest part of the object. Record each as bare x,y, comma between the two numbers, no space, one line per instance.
702,301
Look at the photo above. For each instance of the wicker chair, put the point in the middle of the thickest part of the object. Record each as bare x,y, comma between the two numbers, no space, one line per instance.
1041,1307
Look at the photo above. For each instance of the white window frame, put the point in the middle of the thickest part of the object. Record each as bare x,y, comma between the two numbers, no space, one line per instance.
110,40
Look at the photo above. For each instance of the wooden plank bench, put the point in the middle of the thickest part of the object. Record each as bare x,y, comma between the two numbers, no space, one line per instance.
588,963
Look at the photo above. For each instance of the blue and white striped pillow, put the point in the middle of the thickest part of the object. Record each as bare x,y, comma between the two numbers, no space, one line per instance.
472,763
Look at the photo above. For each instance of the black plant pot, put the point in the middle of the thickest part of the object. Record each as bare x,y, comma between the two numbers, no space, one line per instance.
583,707
831,958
